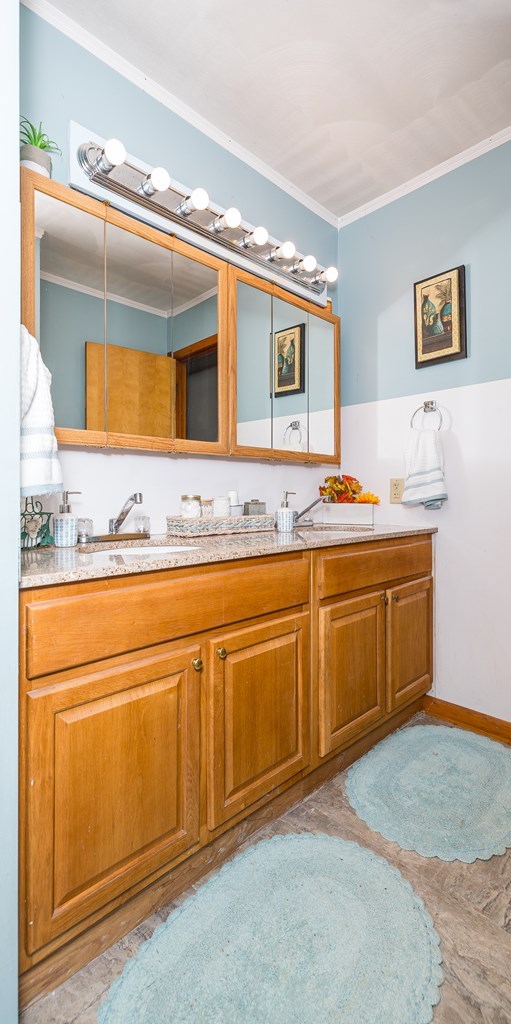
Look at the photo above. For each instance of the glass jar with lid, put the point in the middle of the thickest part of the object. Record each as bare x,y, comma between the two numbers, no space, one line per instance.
190,506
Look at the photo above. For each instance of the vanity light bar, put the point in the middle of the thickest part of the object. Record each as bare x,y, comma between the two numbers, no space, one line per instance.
106,165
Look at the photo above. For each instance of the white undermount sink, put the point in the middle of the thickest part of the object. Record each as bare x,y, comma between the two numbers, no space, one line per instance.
161,550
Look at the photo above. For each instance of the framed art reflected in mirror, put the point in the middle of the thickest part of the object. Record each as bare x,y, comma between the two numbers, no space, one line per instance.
289,355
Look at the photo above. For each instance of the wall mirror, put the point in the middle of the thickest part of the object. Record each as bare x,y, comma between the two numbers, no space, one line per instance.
287,396
154,344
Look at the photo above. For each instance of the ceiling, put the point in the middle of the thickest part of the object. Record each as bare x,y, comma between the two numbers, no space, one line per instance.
346,100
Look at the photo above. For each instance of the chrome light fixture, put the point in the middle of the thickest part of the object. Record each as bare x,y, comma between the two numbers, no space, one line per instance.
230,219
157,181
106,164
259,236
198,200
112,155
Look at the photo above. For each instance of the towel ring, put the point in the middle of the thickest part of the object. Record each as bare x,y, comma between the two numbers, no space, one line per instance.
428,406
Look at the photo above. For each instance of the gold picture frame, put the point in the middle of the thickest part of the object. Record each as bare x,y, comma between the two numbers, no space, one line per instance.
440,322
289,361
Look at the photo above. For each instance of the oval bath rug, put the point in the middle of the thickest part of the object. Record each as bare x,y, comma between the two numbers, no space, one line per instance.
439,791
299,929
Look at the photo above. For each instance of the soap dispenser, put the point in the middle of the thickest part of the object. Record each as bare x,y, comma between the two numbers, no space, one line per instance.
65,523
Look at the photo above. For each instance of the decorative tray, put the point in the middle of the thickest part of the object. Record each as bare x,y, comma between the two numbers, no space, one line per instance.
179,526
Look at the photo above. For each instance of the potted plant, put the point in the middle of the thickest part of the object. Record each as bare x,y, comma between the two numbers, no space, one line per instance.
36,147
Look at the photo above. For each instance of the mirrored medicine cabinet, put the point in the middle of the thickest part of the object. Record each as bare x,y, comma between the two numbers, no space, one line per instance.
153,344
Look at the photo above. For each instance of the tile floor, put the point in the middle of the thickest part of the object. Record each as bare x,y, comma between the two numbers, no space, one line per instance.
470,905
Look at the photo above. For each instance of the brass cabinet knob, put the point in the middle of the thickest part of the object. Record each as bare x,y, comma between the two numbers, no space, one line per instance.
198,664
384,599
222,653
395,597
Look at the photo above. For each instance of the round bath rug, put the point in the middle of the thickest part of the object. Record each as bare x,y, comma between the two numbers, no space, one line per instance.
439,791
299,929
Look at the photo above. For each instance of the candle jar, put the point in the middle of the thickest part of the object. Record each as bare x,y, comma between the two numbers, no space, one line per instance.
190,506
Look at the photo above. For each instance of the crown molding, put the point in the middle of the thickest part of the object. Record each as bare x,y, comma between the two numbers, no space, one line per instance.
492,142
114,60
96,293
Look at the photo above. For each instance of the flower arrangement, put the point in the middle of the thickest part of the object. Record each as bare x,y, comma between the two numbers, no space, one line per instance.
347,489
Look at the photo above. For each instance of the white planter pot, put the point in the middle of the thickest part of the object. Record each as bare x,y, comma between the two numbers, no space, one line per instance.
347,514
35,159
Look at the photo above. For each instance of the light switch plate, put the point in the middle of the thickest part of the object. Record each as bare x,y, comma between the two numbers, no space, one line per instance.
397,486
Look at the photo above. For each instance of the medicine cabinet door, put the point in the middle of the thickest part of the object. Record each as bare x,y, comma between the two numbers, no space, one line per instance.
137,370
197,340
290,379
253,406
324,387
63,306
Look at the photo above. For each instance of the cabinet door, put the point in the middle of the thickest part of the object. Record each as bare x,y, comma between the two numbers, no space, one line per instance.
258,713
113,793
351,668
409,642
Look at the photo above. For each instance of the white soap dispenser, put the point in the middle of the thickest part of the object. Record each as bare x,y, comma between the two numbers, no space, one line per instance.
65,523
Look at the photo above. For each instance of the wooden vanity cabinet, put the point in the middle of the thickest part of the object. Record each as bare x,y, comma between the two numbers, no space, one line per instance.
160,710
258,713
112,763
374,641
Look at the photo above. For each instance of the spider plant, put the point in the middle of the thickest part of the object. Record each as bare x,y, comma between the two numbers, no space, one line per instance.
32,136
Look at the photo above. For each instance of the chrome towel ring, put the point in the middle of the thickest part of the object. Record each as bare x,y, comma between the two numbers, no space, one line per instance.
428,406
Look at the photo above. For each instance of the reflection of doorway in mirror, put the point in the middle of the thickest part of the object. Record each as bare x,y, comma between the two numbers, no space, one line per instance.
196,368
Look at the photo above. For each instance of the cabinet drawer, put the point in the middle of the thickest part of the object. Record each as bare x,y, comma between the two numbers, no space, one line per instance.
75,630
369,565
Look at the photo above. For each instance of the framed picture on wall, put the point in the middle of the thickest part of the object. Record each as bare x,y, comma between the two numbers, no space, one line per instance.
289,355
440,325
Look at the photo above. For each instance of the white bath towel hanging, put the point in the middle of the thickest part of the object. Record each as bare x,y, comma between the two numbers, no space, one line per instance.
40,466
424,483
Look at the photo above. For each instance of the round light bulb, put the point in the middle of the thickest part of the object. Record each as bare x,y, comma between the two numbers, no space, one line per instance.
308,264
232,217
115,152
287,250
331,275
260,236
160,179
199,199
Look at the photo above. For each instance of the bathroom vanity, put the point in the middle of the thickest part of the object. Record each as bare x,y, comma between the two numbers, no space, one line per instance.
170,705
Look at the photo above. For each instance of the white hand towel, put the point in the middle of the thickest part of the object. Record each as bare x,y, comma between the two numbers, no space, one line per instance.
40,467
424,483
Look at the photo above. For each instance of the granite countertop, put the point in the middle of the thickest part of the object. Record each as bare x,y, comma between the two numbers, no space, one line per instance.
42,567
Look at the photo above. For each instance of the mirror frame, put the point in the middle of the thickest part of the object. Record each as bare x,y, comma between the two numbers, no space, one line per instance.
324,313
31,182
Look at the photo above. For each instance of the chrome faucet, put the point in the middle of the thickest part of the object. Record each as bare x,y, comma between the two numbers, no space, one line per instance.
298,515
114,525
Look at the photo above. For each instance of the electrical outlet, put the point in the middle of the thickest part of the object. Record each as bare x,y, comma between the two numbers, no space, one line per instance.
397,486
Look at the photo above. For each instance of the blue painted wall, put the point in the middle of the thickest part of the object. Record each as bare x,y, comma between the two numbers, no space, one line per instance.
461,218
194,324
60,81
68,319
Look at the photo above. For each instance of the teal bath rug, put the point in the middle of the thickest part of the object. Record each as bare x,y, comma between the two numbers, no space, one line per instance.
439,791
300,929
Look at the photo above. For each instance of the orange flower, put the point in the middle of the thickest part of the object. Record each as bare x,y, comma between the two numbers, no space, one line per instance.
368,498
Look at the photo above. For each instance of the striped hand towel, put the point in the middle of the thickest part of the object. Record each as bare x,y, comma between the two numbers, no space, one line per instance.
424,483
40,467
